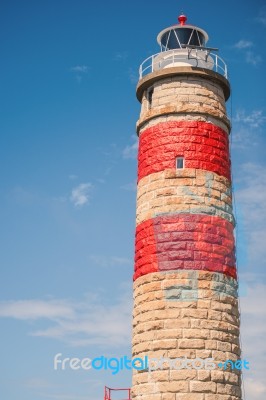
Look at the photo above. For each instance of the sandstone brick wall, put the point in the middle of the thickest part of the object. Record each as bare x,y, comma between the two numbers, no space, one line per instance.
185,281
184,94
203,145
147,123
185,241
184,190
168,326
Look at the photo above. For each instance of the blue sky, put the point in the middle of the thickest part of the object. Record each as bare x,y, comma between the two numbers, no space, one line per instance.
68,172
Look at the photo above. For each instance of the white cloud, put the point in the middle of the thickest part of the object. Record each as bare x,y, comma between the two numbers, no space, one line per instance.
255,389
262,16
81,194
252,58
37,383
121,56
133,77
132,186
113,261
253,332
83,69
130,151
243,137
250,201
101,180
76,323
73,176
255,119
243,44
35,309
246,127
79,72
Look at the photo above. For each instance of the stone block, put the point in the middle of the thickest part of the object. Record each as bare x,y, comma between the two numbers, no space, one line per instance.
191,344
168,396
211,344
169,334
173,387
164,344
204,375
196,333
189,396
183,374
202,387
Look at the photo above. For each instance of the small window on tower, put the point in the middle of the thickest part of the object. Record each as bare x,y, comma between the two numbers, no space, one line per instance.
179,162
149,96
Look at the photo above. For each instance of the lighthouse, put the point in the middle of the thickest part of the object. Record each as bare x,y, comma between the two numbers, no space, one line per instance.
186,315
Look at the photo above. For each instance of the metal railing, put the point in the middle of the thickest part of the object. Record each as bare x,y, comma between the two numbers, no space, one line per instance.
108,393
171,57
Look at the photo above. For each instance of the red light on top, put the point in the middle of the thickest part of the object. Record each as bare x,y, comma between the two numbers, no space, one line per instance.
182,19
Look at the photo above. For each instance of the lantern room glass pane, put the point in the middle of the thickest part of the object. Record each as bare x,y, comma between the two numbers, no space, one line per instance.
185,36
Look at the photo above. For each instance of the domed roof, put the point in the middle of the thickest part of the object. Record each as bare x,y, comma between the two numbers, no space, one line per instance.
180,35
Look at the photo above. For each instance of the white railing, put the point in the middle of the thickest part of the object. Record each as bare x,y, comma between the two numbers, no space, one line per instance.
171,58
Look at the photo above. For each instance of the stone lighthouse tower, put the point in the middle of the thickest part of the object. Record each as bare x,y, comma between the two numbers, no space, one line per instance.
186,318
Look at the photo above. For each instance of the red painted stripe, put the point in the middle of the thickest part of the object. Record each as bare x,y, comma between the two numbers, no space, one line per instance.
203,145
185,241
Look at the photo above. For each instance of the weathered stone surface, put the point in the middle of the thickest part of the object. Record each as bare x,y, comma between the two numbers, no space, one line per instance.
181,241
168,396
204,375
195,96
183,117
193,396
203,387
185,289
174,387
183,374
183,193
161,144
164,331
